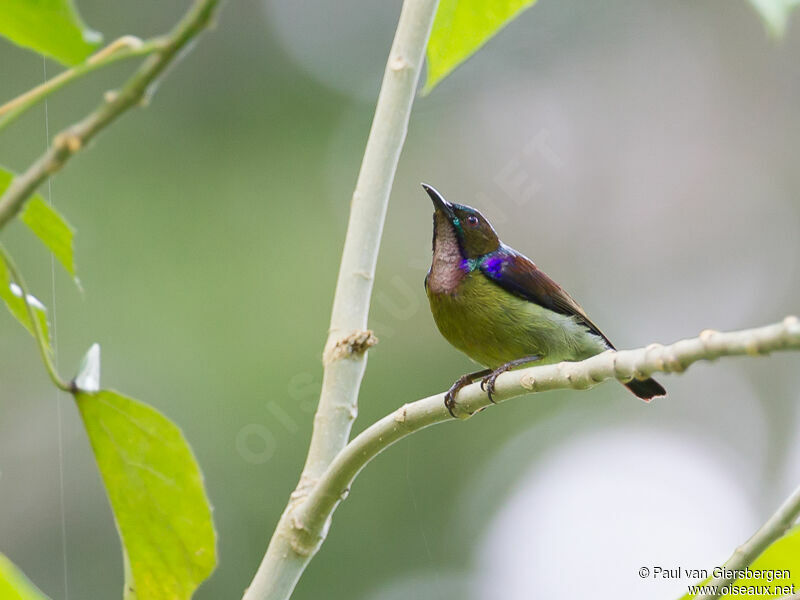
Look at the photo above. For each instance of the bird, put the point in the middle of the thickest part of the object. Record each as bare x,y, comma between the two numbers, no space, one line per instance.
496,306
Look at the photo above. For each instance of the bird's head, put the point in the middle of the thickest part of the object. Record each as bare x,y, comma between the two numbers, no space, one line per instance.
473,233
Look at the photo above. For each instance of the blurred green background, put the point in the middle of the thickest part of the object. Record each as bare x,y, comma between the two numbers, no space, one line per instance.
644,154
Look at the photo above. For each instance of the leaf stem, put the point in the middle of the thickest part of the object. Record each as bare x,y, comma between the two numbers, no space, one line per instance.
38,334
125,47
133,92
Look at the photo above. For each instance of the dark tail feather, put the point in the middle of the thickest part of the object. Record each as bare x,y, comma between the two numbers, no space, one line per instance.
647,389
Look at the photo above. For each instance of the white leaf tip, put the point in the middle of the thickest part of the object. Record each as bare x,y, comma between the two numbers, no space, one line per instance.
88,377
32,300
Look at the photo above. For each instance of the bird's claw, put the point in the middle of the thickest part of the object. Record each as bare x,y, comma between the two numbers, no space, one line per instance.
450,395
487,383
450,402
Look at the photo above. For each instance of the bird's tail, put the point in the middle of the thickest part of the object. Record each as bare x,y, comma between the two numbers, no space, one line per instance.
647,389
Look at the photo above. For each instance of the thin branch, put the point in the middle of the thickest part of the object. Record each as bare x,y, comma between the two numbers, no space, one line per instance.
775,528
345,356
70,141
312,516
38,334
125,47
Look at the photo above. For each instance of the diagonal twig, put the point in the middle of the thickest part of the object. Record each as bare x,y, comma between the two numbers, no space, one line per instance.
70,141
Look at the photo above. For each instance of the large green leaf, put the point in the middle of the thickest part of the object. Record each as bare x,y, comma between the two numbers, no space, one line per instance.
783,555
47,224
461,27
156,492
775,13
11,294
51,27
14,585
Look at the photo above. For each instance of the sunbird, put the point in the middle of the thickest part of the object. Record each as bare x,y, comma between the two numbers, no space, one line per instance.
497,307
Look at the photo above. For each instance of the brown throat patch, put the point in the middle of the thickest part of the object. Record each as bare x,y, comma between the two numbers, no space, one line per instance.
446,272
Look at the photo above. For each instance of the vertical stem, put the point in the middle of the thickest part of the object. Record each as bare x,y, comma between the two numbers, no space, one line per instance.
343,371
291,547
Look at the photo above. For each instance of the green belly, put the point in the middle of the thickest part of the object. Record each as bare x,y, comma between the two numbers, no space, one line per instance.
493,327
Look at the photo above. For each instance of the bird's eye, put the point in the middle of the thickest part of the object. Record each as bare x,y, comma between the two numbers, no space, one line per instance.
472,221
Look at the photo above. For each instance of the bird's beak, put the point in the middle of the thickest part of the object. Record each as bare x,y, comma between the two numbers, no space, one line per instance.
439,202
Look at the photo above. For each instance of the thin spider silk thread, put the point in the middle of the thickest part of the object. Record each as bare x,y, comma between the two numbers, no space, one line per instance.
54,337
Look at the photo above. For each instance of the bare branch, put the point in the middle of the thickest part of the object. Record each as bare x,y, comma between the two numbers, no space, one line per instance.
345,356
72,140
312,516
338,401
125,47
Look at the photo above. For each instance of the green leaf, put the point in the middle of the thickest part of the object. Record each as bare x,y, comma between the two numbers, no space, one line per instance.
461,27
775,13
14,585
783,555
11,294
50,27
52,229
156,492
47,224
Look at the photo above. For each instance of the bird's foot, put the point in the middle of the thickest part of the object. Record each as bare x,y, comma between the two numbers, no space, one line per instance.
487,383
450,395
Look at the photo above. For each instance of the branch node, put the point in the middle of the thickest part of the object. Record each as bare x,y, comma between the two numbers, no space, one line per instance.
792,325
74,143
620,373
673,363
303,541
126,42
400,414
68,141
706,335
528,382
298,494
398,63
302,491
356,343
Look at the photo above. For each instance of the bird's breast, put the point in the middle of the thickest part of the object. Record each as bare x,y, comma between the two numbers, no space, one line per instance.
493,326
